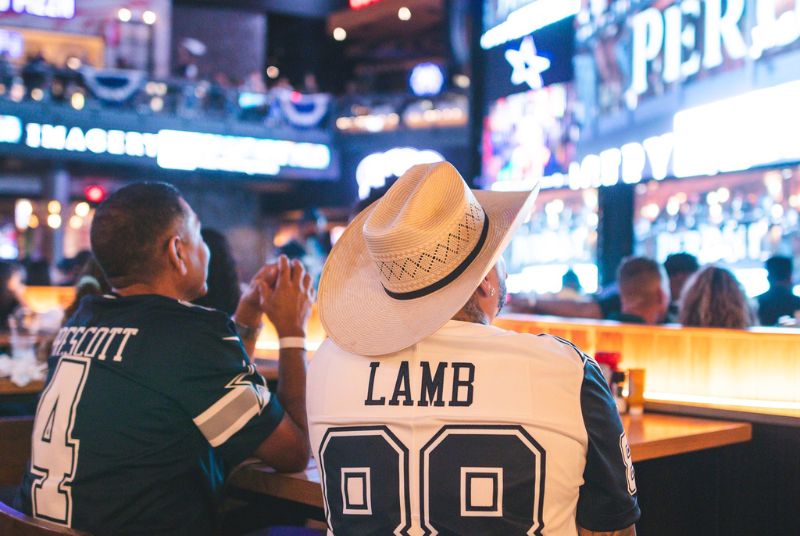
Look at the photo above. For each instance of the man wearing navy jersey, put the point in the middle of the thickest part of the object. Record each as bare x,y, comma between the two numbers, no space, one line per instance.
424,418
151,400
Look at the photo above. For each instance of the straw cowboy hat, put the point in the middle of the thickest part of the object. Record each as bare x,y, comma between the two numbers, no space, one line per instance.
410,261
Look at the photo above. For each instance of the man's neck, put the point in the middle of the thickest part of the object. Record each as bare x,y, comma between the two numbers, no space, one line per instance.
648,316
138,289
476,317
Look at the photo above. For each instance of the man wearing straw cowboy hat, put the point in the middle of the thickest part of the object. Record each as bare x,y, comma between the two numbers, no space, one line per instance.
424,418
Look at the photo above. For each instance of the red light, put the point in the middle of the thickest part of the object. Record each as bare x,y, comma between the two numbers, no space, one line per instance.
358,4
295,97
95,193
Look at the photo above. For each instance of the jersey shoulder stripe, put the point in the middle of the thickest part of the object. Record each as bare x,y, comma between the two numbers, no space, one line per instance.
583,355
231,412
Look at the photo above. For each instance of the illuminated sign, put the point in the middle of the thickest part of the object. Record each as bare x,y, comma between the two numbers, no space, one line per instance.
54,9
172,149
426,79
374,169
627,163
737,133
10,129
512,19
13,43
691,35
94,140
178,149
358,4
528,65
733,134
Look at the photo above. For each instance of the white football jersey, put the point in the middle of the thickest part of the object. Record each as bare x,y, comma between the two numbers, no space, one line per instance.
474,430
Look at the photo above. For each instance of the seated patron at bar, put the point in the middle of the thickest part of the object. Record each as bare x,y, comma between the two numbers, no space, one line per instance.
680,267
643,291
423,416
223,275
151,400
779,300
11,290
607,304
713,298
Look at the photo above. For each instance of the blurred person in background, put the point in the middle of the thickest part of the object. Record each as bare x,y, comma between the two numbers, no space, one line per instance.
70,268
37,273
190,51
713,298
570,287
36,74
312,244
643,291
779,300
224,291
90,281
680,267
6,70
607,304
12,290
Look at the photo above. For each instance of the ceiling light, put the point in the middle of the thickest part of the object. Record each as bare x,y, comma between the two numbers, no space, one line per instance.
149,17
82,209
404,13
339,34
273,72
461,80
124,14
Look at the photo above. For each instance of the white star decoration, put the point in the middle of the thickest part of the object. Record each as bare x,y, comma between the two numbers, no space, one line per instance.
528,65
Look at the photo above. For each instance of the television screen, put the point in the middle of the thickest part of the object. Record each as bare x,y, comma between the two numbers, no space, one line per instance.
528,136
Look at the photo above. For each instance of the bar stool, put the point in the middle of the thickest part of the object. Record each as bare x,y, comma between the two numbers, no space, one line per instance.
14,523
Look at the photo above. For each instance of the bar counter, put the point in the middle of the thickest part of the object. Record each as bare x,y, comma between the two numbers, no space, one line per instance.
750,374
650,437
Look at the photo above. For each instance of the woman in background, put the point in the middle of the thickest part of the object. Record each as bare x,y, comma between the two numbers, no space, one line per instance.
12,289
223,279
713,298
90,282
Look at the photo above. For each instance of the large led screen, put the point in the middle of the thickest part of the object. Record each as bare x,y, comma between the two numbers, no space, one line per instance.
528,136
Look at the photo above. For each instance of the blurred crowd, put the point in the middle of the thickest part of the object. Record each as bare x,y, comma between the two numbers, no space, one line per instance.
185,93
679,291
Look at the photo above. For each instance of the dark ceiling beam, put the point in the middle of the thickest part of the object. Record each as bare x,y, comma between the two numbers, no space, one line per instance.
302,8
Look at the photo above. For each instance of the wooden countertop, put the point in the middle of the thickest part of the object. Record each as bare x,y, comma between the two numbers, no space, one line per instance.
657,436
650,436
8,388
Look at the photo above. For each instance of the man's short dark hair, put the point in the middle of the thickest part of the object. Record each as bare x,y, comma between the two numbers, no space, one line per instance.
128,228
779,268
681,263
638,275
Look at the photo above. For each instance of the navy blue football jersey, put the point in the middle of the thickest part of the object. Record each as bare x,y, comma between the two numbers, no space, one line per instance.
148,404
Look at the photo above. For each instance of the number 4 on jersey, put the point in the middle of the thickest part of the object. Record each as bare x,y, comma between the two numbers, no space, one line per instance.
54,455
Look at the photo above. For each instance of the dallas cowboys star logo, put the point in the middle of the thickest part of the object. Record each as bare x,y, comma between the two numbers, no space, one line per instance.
528,65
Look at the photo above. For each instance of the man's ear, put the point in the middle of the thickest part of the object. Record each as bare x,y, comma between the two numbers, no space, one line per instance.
176,254
485,286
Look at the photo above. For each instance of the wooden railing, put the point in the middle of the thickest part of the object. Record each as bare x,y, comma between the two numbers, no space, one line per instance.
756,368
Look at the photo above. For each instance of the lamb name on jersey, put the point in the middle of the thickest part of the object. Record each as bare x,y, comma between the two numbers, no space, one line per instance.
432,386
